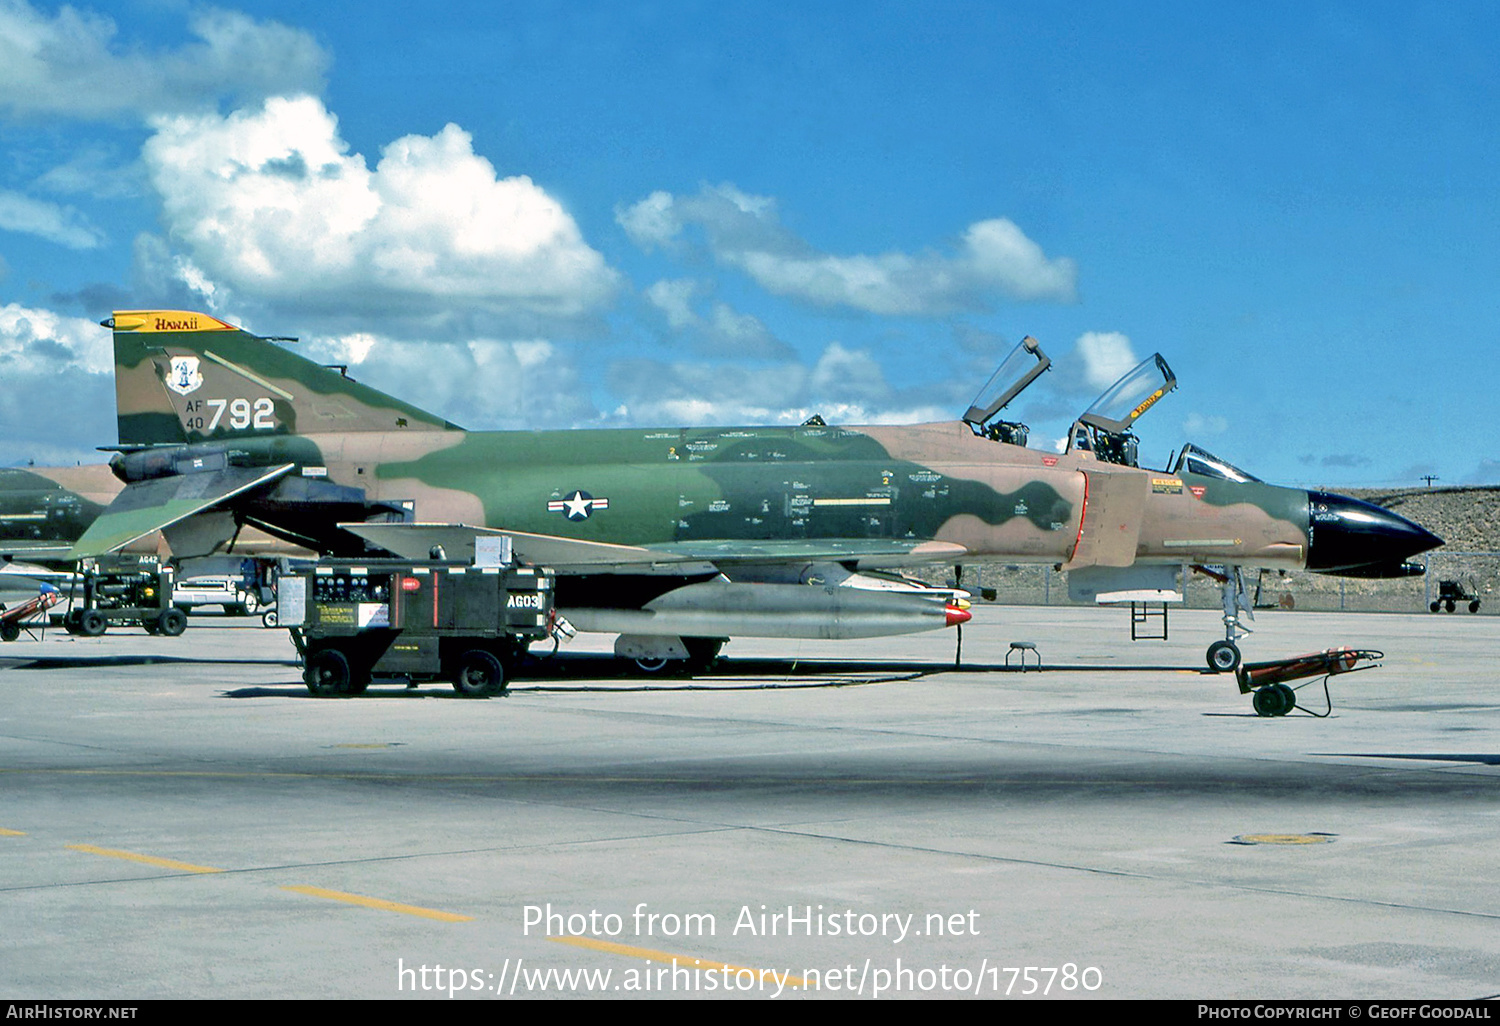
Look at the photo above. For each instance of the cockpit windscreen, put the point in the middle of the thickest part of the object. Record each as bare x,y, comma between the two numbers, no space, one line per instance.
1199,461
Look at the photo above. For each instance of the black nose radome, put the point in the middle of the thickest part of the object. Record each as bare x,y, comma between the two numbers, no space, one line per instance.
1346,533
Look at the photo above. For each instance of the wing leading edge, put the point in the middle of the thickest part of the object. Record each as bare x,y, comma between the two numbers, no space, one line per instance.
146,506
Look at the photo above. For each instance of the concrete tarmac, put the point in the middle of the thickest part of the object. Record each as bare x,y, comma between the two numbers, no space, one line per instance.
180,819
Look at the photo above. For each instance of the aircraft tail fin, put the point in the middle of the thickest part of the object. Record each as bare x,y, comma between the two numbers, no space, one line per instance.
188,377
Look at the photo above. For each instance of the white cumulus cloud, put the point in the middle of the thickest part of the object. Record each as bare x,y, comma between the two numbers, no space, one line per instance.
844,386
68,64
1198,424
58,399
725,331
481,384
992,259
60,224
271,203
1105,356
41,343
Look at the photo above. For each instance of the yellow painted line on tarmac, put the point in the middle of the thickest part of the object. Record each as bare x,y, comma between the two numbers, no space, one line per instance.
150,860
11,833
683,961
387,906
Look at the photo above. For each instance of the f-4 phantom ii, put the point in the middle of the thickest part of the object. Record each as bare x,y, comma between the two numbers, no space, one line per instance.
680,538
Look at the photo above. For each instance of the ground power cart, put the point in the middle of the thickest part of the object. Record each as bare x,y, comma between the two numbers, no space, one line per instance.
123,590
353,621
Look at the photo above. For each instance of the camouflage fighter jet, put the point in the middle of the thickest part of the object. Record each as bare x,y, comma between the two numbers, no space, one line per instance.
679,538
44,510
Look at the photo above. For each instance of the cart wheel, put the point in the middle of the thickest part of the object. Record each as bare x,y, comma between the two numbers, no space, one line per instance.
92,623
327,672
269,618
9,631
1474,606
1265,701
250,606
479,673
150,627
1288,698
1448,605
171,622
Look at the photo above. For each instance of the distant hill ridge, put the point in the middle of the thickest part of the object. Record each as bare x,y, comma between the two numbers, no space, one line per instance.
1467,518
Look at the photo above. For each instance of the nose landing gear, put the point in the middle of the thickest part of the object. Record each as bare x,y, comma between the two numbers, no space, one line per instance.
1224,656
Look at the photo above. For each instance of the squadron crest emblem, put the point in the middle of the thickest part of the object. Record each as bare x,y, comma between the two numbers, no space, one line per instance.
184,377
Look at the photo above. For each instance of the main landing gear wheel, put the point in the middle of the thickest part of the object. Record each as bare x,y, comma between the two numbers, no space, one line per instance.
1274,700
479,674
1223,657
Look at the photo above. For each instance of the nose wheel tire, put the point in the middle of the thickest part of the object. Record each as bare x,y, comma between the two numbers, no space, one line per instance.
1223,657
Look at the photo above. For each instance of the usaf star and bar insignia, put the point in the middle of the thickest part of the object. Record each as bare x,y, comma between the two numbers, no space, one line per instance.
578,505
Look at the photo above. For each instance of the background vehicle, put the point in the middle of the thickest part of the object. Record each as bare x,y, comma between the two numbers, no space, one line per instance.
217,590
1456,593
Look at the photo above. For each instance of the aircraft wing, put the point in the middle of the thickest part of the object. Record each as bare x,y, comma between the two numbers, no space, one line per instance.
415,541
146,506
24,552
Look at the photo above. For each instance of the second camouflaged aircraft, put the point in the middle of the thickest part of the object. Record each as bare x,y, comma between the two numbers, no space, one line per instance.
679,538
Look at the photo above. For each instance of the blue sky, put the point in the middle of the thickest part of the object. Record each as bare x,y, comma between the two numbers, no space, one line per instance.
554,215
